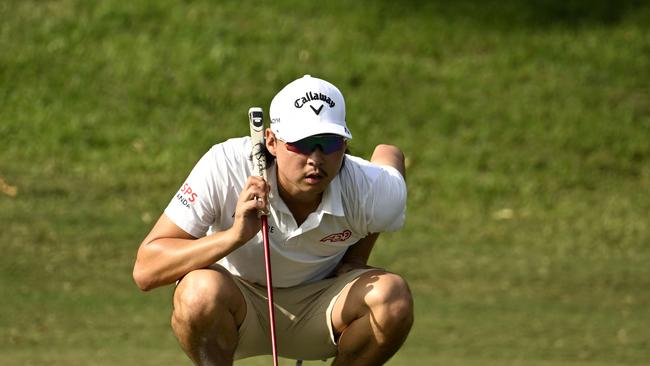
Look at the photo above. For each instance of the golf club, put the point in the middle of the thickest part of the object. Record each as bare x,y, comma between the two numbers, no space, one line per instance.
256,121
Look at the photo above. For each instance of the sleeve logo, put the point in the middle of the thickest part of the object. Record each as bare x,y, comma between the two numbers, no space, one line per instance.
333,238
186,195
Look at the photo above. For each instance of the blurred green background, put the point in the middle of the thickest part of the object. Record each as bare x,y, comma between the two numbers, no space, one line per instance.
526,126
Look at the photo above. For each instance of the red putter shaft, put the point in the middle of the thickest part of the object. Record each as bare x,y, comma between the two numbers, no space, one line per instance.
269,286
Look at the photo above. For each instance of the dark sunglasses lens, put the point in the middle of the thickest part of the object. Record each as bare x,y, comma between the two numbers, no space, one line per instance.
328,144
331,144
295,147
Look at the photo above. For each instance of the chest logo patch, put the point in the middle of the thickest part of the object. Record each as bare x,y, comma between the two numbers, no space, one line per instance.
333,238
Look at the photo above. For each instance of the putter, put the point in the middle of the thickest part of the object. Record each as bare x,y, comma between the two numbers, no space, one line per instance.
256,121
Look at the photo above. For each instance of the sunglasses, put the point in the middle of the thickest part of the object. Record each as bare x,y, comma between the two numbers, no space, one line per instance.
327,143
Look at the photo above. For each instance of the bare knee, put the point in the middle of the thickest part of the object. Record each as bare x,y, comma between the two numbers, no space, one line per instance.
205,294
391,303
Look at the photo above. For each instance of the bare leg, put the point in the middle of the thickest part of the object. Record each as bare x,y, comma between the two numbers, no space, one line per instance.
372,318
208,310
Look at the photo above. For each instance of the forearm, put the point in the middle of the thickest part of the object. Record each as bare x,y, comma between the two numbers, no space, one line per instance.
357,255
360,251
163,261
169,252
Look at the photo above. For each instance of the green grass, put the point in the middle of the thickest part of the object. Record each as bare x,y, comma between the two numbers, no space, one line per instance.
526,129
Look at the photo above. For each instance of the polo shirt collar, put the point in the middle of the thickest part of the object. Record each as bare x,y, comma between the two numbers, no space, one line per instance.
332,201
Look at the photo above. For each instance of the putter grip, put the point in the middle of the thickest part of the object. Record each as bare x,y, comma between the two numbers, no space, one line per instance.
256,122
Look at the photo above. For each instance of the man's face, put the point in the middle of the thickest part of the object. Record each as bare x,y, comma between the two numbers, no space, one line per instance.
306,167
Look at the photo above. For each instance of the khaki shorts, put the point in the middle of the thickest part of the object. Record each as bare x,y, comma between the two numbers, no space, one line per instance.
303,325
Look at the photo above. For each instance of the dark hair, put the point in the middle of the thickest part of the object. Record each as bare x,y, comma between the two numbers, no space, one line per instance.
270,158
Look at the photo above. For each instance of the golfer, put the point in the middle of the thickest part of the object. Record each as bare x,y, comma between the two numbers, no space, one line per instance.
325,211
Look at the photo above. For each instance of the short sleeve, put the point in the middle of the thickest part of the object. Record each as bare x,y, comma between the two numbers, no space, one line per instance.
374,196
193,207
386,205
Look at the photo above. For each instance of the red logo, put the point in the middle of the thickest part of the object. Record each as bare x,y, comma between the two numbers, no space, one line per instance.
333,238
186,190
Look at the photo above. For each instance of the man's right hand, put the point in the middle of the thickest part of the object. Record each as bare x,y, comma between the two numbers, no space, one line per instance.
252,201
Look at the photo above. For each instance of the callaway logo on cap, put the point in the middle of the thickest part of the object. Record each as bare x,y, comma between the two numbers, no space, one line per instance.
308,106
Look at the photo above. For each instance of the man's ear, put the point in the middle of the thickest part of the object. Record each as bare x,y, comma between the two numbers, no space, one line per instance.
271,141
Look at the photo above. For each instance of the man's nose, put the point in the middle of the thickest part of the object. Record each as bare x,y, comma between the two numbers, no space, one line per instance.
317,156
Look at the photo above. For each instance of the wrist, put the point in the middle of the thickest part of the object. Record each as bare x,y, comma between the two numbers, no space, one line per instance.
233,237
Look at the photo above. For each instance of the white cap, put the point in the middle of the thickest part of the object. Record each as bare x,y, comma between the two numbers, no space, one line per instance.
308,106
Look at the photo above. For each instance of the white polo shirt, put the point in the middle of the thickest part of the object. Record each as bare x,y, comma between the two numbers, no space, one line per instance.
363,198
